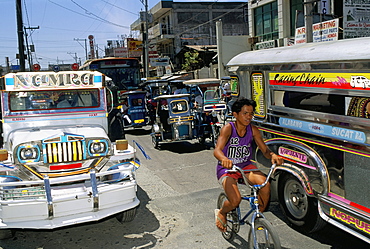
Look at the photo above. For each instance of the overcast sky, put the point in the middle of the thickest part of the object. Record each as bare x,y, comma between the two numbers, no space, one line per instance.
61,22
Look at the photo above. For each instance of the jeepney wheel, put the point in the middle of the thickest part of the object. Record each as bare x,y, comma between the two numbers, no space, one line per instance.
126,216
6,234
300,210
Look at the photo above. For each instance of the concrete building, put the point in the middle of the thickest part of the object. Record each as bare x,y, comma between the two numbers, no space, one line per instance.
274,23
174,25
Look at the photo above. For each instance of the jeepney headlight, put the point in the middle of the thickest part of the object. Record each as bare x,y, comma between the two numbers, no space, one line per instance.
98,147
28,153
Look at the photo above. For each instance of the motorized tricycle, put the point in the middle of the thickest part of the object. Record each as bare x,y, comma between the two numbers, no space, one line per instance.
208,106
134,108
154,88
174,121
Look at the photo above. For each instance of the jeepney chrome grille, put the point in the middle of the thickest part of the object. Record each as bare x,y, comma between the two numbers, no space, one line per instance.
37,192
64,152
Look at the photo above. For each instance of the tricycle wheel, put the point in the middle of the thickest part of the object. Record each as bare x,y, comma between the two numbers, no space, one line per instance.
155,142
126,216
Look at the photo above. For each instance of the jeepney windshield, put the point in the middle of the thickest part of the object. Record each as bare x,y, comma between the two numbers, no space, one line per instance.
50,100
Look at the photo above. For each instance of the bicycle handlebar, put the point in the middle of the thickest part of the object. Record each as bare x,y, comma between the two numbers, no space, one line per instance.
241,171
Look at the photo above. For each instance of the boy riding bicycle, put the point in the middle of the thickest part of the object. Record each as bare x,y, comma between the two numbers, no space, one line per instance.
234,146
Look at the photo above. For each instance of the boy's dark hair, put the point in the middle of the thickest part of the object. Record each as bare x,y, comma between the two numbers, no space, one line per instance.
239,103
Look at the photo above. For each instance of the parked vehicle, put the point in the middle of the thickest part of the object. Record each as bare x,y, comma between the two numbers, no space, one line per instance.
58,165
208,107
134,108
154,88
229,86
174,121
311,112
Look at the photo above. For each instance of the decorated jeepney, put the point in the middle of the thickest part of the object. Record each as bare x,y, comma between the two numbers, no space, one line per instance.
313,109
58,166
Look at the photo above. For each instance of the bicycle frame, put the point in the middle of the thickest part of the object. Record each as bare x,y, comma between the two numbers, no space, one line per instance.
253,199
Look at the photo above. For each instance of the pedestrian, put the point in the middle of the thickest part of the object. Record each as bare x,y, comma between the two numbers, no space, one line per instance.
234,147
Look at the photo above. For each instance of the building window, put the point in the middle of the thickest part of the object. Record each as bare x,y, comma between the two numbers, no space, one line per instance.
296,7
266,22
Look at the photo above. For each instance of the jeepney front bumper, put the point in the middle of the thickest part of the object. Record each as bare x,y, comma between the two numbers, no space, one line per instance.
64,201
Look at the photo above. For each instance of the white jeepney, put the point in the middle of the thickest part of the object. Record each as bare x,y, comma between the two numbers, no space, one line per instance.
58,166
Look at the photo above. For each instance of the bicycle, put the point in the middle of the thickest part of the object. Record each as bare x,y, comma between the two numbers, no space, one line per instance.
261,233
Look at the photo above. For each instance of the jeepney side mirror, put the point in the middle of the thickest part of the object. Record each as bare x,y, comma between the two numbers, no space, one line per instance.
3,155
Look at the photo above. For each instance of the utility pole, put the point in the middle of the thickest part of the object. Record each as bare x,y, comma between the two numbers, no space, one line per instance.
145,39
30,61
20,31
74,57
85,47
308,19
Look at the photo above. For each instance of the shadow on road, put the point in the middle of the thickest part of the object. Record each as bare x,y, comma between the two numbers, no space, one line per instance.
108,233
182,147
146,130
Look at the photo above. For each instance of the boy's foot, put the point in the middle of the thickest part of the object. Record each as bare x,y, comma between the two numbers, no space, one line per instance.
220,221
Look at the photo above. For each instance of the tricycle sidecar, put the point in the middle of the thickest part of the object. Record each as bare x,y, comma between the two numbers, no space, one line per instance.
133,108
208,106
174,121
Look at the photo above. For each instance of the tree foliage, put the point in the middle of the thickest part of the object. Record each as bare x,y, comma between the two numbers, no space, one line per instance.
192,61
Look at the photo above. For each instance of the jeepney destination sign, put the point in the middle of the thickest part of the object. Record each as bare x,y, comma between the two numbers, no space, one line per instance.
48,80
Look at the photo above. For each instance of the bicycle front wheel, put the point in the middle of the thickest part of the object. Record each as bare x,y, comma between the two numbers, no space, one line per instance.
265,235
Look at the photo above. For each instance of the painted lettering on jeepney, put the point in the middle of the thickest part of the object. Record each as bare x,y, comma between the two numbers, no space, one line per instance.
330,131
299,79
52,80
359,224
257,85
301,157
322,80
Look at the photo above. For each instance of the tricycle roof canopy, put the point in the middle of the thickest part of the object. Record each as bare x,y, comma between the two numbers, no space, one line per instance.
133,92
174,96
203,82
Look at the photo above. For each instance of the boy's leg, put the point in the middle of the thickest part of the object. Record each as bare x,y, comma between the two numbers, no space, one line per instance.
257,177
233,199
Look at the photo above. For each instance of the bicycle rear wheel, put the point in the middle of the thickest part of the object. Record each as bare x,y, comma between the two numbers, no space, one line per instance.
233,225
265,235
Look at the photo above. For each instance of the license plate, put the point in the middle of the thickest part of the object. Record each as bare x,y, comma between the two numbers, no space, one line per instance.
139,121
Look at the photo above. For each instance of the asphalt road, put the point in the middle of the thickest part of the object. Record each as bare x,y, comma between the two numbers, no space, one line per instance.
178,192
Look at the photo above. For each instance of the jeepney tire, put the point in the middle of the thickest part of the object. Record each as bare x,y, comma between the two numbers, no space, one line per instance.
6,234
126,216
300,209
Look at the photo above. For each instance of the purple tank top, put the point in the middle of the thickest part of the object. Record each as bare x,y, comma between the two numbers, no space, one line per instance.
238,149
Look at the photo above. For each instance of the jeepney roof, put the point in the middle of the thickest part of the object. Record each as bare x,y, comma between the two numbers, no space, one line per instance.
342,50
171,96
203,82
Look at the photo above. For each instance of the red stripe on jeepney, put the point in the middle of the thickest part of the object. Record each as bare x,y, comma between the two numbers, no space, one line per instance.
358,206
348,202
66,166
